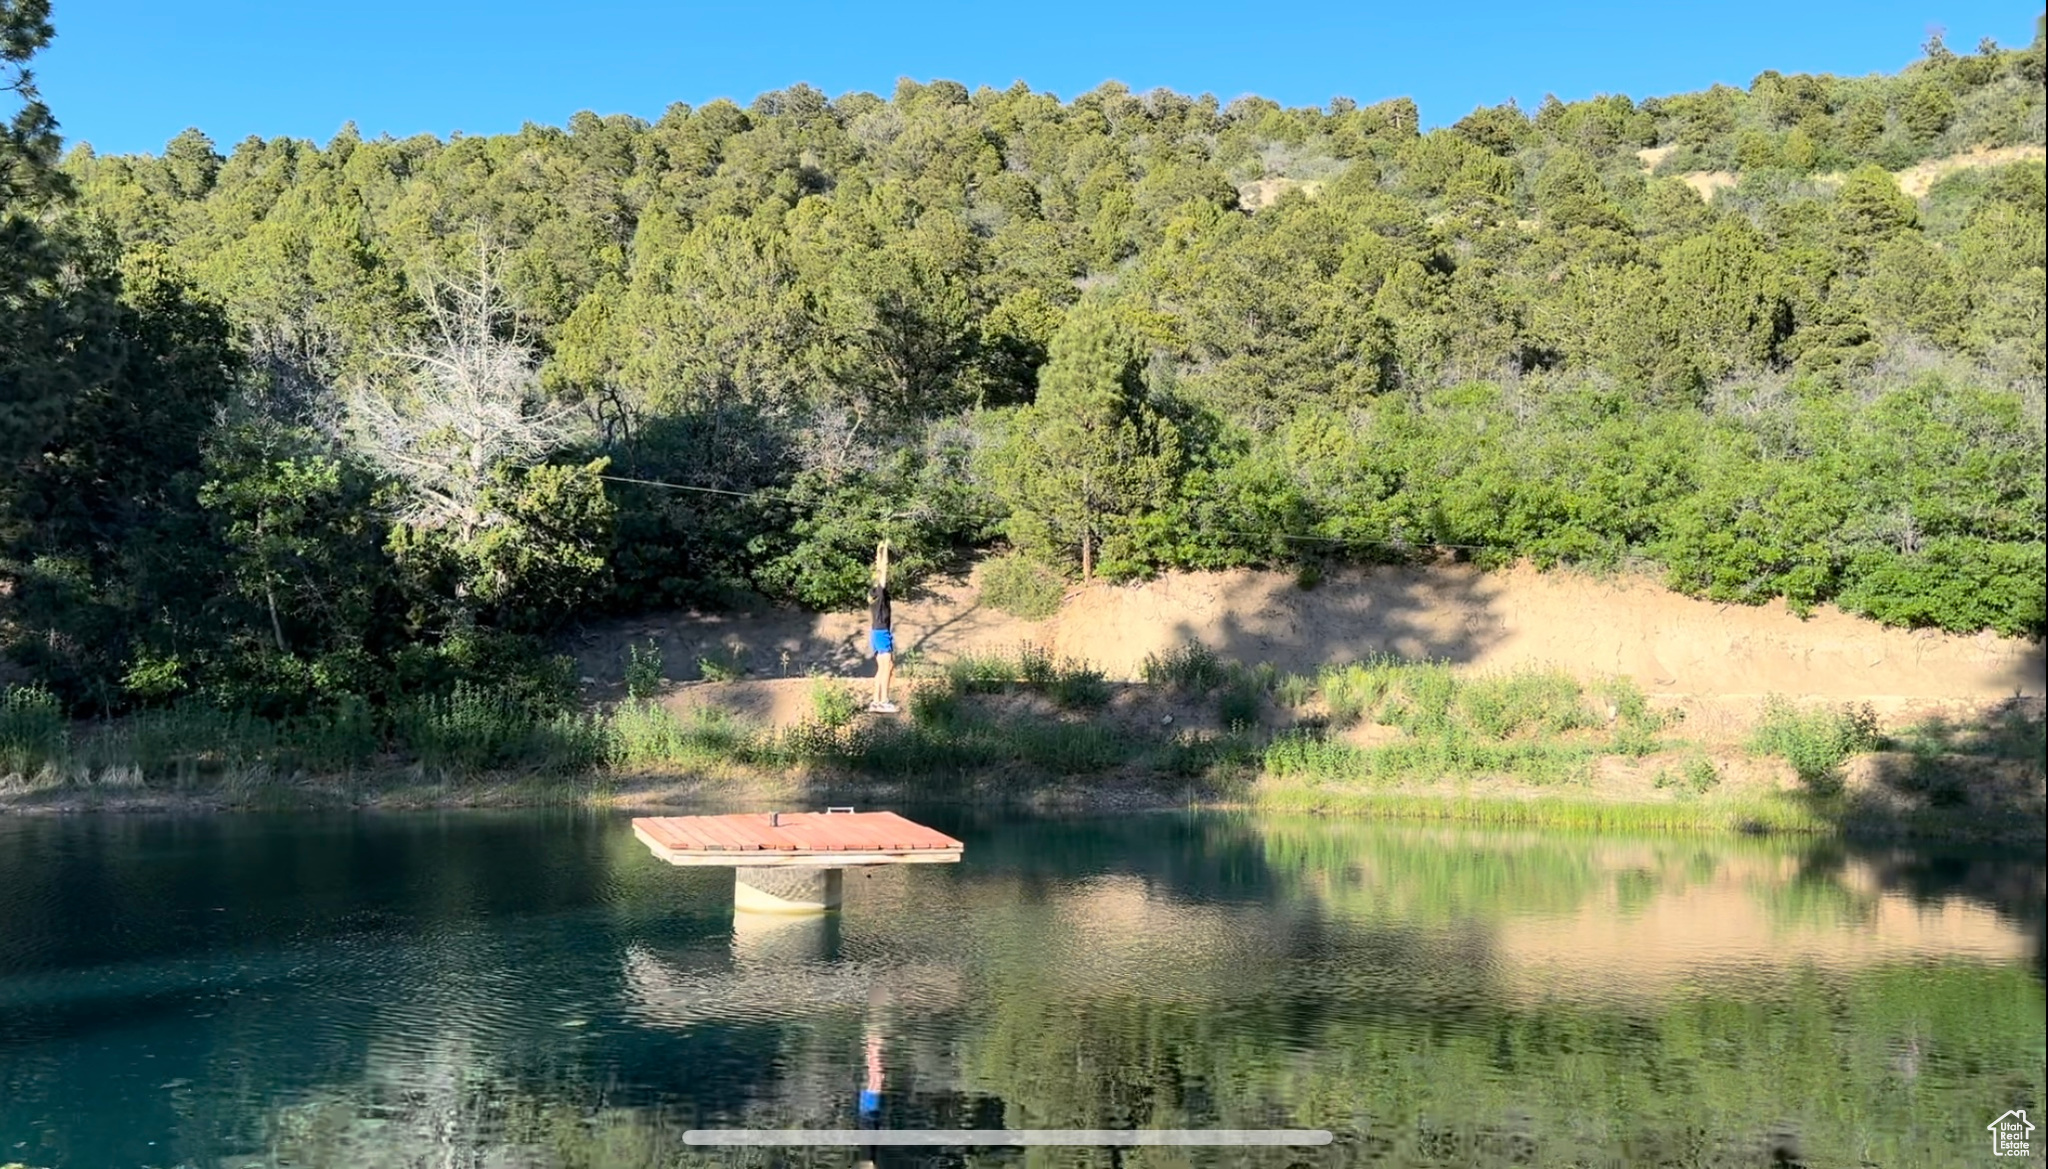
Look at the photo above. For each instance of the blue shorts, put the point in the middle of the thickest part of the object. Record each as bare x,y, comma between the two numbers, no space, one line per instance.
882,641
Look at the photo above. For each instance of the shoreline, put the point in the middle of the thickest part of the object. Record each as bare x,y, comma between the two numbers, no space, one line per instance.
1480,804
1384,739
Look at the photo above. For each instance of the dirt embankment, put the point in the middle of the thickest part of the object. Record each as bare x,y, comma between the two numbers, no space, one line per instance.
1915,180
1717,660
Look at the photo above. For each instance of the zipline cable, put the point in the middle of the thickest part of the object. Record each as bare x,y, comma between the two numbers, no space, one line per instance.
772,495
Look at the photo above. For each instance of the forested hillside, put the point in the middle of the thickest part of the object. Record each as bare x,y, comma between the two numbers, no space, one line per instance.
286,422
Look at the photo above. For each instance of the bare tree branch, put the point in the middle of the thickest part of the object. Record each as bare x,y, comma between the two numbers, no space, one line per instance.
469,403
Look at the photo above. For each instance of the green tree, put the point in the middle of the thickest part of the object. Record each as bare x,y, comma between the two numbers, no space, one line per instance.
1912,289
37,322
28,139
1870,209
1724,309
1929,110
300,526
104,518
548,552
1090,457
191,163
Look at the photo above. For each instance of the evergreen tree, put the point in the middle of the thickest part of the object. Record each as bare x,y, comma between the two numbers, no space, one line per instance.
37,324
1089,458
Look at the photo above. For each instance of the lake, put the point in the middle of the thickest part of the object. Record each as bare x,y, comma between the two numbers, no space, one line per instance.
533,989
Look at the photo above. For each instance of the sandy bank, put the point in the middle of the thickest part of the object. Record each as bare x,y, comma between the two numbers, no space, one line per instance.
1675,647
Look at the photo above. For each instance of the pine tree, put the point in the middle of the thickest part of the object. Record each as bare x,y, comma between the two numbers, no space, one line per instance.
34,379
1090,455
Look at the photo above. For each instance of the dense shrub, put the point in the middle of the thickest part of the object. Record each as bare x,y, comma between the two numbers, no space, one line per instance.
833,704
1022,587
1815,742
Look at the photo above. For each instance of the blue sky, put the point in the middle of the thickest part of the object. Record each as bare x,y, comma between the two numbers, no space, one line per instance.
127,75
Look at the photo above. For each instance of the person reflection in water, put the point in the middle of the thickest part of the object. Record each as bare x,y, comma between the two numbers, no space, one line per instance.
870,1106
871,1094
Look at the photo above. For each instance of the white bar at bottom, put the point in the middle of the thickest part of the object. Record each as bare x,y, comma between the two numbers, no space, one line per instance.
964,1137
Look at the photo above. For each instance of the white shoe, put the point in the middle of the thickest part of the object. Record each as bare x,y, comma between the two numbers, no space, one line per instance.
883,707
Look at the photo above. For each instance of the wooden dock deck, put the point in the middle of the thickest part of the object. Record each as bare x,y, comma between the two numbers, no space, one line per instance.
795,839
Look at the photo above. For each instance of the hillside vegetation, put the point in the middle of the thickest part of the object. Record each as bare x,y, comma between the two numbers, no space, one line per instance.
301,427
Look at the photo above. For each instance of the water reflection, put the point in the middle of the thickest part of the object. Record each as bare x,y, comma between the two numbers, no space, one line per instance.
535,990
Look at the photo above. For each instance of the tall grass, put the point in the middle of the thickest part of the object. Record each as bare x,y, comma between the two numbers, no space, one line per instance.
643,735
32,731
472,728
1452,753
945,735
1696,776
942,739
1069,683
1351,692
1193,668
1241,691
1546,701
1238,705
194,744
1524,723
726,665
2008,733
1770,814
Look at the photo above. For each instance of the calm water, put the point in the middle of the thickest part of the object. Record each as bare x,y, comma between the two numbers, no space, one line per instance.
477,989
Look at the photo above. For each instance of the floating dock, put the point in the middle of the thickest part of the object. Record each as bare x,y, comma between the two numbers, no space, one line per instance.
793,862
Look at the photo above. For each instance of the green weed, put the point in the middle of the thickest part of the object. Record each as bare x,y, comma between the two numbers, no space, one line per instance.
1549,701
1816,743
1697,775
1421,704
727,665
642,735
833,704
1071,685
1075,686
1352,692
1294,691
1237,706
33,731
981,674
643,671
475,729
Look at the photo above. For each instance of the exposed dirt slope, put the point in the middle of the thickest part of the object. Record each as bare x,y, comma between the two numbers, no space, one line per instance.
1673,646
1915,180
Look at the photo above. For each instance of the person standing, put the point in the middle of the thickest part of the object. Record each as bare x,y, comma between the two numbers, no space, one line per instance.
881,631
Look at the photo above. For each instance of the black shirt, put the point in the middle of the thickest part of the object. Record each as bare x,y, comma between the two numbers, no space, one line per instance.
878,607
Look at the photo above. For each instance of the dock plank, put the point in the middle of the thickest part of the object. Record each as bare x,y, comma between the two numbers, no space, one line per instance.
688,835
795,838
730,835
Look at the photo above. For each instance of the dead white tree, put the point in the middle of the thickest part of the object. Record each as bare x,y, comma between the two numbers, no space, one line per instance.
469,403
